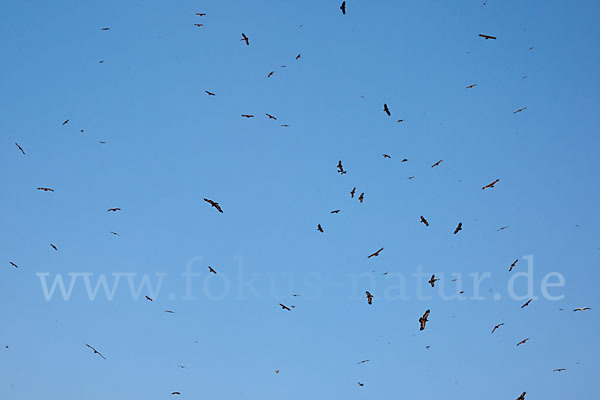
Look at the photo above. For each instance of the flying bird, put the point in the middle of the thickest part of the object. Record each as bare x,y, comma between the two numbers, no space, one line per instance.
96,351
343,7
502,228
432,281
352,192
53,246
519,110
359,384
298,56
437,163
423,320
20,148
270,116
376,253
245,39
369,297
201,14
170,312
113,209
148,298
214,204
387,156
270,74
247,115
209,93
458,228
276,371
177,393
513,265
522,396
285,125
198,25
424,221
45,189
361,197
496,327
559,369
210,269
490,185
386,109
471,86
335,212
340,167
284,307
106,29
362,362
66,122
115,233
486,37
522,342
13,264
320,228
581,309
527,303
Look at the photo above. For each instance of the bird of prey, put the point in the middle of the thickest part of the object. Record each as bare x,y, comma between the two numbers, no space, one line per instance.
170,312
522,396
369,297
53,246
66,122
200,14
101,142
101,62
270,116
340,167
486,37
270,74
106,29
427,347
335,212
526,303
387,156
582,309
285,125
471,86
513,265
209,93
352,192
361,197
177,393
522,342
114,209
298,56
458,228
115,233
404,160
198,25
519,110
148,298
20,148
245,39
214,204
400,120
320,228
96,351
502,228
45,189
559,369
490,185
411,177
424,221
496,327
362,362
386,109
423,320
376,253
343,7
13,264
437,163
432,281
284,307
210,269
247,115
276,371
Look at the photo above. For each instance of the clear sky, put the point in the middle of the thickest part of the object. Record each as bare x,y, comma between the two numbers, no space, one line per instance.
168,145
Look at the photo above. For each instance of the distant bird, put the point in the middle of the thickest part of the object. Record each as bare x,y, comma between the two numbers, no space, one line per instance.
214,204
404,160
400,120
285,125
424,221
471,86
200,14
276,371
376,253
559,369
361,197
210,269
270,74
170,312
411,177
101,142
209,93
513,265
387,156
486,37
423,320
115,233
53,246
490,185
522,396
298,56
247,115
245,39
340,167
270,116
437,163
432,281
496,327
527,303
284,307
66,122
502,228
362,362
148,298
106,29
519,110
458,228
343,7
113,209
320,228
352,192
582,309
386,109
335,212
522,342
20,148
45,189
177,393
369,297
13,264
101,62
198,25
96,351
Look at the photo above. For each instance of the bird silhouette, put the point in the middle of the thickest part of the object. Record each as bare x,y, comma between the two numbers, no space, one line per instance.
376,253
96,351
214,204
423,320
369,297
245,39
20,148
343,7
490,185
486,37
210,269
458,228
424,221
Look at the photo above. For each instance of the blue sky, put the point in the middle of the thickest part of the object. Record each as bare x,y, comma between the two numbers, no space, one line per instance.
169,145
